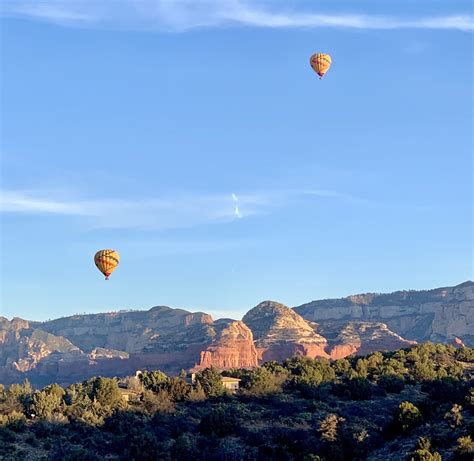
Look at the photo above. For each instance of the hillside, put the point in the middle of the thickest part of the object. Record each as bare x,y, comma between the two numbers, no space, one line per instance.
415,404
429,315
119,343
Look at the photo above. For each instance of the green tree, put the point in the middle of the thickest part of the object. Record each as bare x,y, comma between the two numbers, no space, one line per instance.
177,389
153,380
261,381
105,396
408,416
362,368
310,372
328,427
465,354
341,366
465,448
18,397
359,388
392,383
424,371
375,364
423,452
157,402
211,382
48,402
454,416
470,397
197,393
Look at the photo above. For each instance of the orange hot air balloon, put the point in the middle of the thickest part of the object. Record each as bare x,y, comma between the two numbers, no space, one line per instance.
106,261
320,63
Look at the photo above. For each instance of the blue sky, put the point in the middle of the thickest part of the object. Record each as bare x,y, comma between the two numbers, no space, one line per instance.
194,138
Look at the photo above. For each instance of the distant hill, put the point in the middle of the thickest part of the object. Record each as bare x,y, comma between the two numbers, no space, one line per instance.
74,348
438,315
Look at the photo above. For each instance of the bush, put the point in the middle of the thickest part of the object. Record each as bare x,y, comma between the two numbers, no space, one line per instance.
261,381
328,427
423,453
211,382
408,416
465,448
153,380
158,402
392,383
311,372
359,389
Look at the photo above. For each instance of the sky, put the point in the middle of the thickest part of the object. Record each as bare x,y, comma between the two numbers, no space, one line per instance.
195,139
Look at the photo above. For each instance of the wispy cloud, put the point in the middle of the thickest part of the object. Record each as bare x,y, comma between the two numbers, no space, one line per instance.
156,213
237,212
183,15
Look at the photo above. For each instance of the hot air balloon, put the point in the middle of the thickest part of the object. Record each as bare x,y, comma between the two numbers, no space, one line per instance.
320,63
106,261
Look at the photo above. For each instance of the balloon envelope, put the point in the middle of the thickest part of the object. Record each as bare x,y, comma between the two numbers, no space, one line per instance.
106,261
320,62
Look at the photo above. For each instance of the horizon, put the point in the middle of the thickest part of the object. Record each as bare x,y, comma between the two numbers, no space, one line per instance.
195,139
212,314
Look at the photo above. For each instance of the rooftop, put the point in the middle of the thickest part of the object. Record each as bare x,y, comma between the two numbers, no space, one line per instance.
227,379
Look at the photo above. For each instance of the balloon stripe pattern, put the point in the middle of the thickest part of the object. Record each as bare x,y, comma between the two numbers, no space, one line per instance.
320,62
106,261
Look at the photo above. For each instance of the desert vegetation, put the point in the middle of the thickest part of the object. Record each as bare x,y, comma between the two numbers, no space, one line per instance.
411,404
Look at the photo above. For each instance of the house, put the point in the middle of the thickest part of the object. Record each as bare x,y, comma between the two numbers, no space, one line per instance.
129,395
232,384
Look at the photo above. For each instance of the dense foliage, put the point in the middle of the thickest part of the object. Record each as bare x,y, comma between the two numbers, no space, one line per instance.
412,404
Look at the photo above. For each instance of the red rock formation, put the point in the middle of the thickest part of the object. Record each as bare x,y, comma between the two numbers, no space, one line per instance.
233,347
362,338
457,343
339,351
429,315
74,348
280,333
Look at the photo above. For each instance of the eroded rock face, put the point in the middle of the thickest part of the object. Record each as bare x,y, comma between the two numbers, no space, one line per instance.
119,344
131,332
74,348
232,347
362,338
436,315
23,348
279,333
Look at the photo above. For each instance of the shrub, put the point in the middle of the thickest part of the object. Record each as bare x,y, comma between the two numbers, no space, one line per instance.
465,448
211,382
392,383
158,402
328,427
423,453
359,388
153,380
408,416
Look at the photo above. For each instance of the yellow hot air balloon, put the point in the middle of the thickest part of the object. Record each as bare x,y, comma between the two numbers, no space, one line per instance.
106,261
320,63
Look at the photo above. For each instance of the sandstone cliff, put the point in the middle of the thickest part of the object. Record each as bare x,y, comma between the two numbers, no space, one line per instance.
280,333
436,315
346,338
131,332
231,347
74,348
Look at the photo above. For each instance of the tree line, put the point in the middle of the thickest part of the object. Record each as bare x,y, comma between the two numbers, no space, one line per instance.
413,404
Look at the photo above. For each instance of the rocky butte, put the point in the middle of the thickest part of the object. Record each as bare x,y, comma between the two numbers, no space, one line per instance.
74,348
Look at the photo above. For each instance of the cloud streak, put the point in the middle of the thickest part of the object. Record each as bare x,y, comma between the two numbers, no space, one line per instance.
237,212
184,15
156,213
